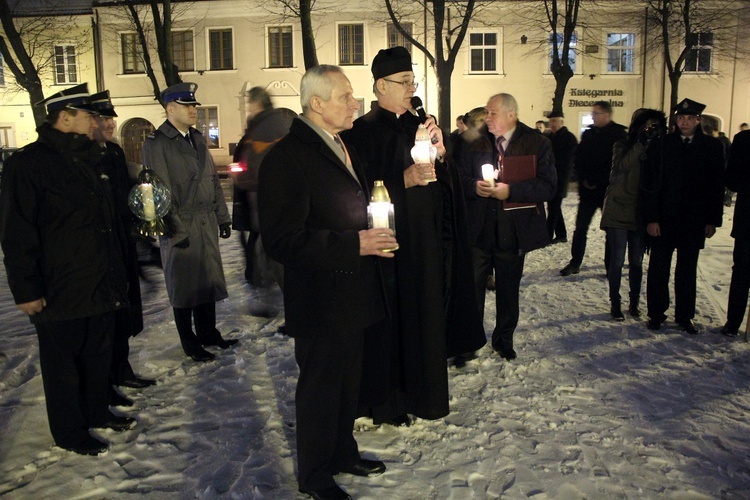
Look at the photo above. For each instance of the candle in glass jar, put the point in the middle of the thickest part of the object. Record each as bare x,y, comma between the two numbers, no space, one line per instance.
147,198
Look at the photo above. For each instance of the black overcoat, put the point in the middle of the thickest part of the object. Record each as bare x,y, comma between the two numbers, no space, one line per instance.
58,230
564,145
432,276
311,211
737,179
684,191
593,159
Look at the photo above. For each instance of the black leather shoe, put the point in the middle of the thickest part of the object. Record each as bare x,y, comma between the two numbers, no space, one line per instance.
570,269
729,331
397,421
332,493
688,326
223,343
509,354
117,399
89,446
557,240
365,468
137,383
634,310
616,313
653,324
117,424
200,354
282,329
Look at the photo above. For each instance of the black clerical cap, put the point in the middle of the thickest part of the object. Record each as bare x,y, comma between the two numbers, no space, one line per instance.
391,61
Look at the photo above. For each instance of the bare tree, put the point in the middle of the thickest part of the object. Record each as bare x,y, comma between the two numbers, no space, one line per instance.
26,44
567,21
690,33
448,38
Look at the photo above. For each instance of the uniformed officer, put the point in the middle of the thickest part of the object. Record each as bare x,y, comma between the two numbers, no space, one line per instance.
59,235
128,321
193,271
683,196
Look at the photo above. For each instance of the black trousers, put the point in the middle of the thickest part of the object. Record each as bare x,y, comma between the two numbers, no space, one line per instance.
586,210
738,289
204,318
555,220
74,356
120,370
508,267
326,400
657,285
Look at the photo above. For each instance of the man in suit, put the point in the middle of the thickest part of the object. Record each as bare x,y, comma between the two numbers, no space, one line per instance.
738,179
682,206
564,145
190,255
128,321
312,200
501,238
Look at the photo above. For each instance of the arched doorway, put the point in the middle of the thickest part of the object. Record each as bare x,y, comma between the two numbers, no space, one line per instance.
134,133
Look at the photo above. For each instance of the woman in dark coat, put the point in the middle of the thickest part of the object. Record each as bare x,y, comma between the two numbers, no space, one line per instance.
621,215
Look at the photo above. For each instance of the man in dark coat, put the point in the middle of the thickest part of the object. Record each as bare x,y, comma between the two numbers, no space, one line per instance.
593,161
313,197
682,206
501,237
129,320
737,179
59,234
190,255
564,145
430,283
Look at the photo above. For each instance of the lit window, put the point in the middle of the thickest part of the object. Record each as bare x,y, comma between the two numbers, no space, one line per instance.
132,54
351,44
483,47
66,68
280,53
699,56
221,48
208,125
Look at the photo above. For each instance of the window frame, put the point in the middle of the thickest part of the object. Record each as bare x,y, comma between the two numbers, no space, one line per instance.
269,59
207,108
398,35
621,48
697,48
220,29
137,54
574,49
339,47
189,31
66,64
498,32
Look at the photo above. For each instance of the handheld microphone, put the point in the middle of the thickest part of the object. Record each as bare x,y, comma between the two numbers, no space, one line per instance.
416,103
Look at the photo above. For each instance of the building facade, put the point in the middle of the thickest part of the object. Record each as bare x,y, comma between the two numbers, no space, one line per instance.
229,46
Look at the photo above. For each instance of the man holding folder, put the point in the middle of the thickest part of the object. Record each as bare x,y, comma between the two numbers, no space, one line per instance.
505,207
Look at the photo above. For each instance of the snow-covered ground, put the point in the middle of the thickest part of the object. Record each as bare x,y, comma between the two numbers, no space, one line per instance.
590,409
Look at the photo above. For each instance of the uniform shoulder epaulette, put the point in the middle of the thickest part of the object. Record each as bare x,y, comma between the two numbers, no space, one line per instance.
153,134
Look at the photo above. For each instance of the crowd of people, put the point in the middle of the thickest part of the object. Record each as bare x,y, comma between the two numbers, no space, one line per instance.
373,327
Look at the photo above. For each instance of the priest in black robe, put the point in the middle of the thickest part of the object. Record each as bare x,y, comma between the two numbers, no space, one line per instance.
430,282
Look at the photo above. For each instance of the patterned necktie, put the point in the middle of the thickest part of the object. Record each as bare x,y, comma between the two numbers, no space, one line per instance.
686,140
500,154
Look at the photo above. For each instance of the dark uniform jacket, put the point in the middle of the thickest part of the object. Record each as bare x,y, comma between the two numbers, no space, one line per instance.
564,145
529,224
687,192
738,179
593,158
193,275
58,229
311,211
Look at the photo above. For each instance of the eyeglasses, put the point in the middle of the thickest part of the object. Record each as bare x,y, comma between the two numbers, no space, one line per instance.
404,84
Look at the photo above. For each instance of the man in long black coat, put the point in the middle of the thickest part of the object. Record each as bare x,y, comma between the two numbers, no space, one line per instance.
128,321
738,179
312,200
564,145
682,206
59,234
430,284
